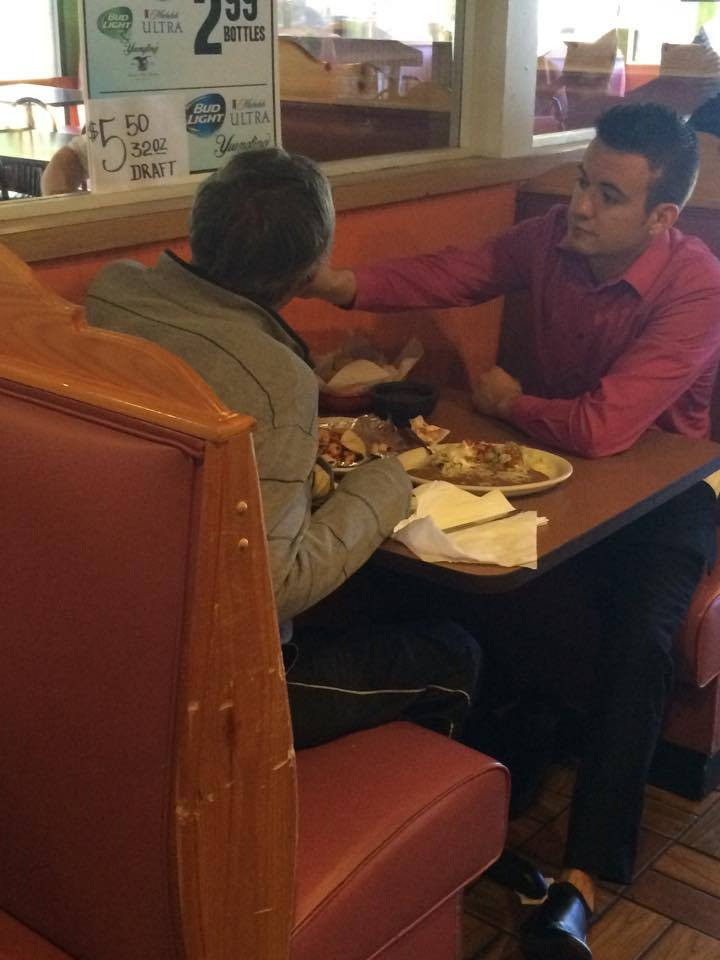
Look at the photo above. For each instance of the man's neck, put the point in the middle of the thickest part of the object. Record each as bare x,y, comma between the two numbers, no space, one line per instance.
606,268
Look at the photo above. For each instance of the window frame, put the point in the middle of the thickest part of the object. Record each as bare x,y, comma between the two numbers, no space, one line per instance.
495,136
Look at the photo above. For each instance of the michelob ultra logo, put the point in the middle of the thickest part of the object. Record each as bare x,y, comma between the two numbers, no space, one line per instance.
115,22
205,114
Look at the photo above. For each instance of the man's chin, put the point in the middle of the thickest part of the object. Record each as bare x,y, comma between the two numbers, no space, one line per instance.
577,242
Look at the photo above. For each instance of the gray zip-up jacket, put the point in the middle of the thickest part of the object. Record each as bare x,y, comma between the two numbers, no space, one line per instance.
255,364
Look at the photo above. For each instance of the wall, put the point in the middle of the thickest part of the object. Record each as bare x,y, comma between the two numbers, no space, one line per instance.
450,337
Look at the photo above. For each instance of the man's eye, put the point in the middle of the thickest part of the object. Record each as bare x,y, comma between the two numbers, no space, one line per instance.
609,198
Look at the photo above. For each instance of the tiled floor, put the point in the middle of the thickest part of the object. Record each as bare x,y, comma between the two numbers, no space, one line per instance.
671,911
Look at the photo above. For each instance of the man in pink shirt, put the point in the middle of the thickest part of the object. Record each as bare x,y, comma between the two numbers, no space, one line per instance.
624,336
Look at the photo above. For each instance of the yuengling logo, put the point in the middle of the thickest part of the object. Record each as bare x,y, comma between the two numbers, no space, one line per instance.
204,115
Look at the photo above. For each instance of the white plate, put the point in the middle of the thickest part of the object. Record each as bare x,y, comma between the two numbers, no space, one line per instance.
556,468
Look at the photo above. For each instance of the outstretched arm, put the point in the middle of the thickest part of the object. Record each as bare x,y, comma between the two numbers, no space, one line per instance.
335,286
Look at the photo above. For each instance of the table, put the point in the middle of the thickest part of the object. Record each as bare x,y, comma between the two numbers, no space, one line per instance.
601,497
24,154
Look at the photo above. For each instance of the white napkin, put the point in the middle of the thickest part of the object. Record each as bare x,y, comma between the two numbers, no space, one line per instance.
434,534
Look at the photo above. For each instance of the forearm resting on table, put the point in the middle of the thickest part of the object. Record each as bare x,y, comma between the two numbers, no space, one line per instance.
341,535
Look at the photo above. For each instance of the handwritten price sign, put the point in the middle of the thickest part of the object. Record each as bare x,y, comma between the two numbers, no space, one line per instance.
136,142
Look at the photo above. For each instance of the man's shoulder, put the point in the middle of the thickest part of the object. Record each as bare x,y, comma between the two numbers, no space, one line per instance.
691,252
117,275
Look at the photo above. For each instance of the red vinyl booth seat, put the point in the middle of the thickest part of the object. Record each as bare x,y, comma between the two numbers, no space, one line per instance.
151,803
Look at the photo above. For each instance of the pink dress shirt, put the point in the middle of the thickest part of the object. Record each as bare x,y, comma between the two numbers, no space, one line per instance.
606,360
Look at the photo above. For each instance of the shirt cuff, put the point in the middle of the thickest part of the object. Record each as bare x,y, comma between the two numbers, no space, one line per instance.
518,409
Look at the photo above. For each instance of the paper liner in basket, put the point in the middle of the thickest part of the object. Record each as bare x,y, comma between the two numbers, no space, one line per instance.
356,376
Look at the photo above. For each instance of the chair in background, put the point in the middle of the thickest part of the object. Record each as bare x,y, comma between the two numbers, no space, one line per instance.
152,805
35,109
20,177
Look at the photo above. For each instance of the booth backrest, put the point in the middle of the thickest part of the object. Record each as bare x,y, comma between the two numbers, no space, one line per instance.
148,782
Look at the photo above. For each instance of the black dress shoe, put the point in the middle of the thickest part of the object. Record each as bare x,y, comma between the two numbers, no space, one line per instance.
520,875
558,929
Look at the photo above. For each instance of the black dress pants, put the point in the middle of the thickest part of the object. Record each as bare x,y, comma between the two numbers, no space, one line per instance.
595,635
643,579
369,672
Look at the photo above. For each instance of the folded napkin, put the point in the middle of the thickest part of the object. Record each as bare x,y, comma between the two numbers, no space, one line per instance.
450,524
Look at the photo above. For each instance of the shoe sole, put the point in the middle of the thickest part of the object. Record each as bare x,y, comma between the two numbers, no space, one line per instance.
549,947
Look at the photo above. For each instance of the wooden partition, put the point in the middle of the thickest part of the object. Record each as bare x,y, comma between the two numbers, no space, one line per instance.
230,770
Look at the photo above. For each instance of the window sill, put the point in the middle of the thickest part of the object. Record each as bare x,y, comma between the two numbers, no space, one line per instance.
48,227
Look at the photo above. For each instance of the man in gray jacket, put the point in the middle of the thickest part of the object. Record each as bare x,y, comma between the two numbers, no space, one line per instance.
260,228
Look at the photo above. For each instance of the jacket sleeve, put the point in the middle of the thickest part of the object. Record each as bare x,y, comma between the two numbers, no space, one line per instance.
311,554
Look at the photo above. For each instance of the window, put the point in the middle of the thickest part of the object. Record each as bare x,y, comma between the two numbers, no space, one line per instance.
362,77
30,49
591,56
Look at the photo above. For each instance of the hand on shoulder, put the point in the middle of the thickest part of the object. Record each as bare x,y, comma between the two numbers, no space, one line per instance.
327,283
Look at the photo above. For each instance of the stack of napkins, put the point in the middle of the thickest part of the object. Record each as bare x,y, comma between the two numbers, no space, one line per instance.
450,524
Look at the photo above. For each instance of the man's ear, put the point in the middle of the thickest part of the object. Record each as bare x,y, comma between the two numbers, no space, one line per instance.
663,217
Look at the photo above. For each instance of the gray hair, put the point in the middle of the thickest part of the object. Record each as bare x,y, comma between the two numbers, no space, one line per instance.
261,222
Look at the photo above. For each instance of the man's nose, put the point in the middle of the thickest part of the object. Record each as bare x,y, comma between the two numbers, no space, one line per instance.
582,205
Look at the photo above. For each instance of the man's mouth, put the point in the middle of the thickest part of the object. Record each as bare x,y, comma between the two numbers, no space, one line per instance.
576,228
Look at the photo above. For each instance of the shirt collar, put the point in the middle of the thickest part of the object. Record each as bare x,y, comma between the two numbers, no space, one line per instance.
642,272
231,299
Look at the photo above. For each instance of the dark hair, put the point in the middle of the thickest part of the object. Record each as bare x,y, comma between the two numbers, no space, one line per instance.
657,133
261,222
706,119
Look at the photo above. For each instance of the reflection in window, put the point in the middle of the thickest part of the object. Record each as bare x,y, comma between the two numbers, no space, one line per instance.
360,77
591,56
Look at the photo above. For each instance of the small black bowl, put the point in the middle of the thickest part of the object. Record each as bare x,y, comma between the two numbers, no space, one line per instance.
401,400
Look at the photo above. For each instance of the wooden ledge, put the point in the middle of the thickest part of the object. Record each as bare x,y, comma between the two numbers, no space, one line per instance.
48,227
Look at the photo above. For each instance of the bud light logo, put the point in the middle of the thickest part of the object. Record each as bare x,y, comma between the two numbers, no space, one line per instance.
115,22
204,115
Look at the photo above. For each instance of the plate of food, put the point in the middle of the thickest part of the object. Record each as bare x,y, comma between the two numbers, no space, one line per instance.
339,444
346,442
479,466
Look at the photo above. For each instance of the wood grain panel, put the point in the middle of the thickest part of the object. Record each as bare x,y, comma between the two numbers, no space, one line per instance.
520,830
678,901
494,904
691,867
705,835
665,819
625,932
683,943
697,807
477,935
